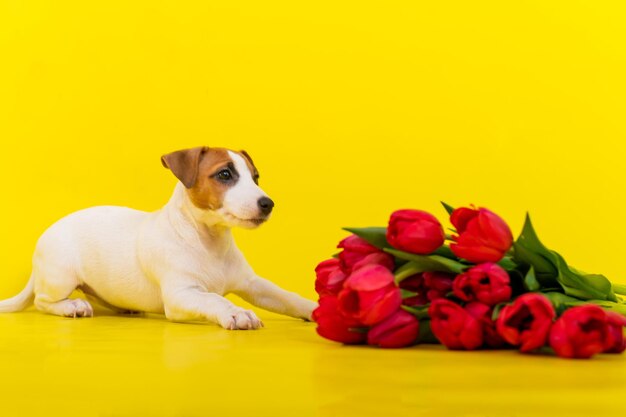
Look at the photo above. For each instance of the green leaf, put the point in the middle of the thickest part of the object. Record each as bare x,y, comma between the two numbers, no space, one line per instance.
619,308
545,269
421,312
530,281
551,270
407,294
448,208
584,287
446,252
562,302
376,236
529,250
429,262
508,263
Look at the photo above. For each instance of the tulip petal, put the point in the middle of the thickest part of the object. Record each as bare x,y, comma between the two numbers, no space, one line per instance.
332,325
369,278
492,225
398,330
476,254
383,308
380,258
415,231
453,326
461,217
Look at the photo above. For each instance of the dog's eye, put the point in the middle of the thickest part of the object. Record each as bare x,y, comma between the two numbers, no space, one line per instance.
225,175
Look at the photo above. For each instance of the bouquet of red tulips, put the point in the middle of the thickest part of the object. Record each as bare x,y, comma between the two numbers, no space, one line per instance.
411,283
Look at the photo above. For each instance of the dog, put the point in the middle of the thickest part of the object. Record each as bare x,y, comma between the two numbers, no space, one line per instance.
179,261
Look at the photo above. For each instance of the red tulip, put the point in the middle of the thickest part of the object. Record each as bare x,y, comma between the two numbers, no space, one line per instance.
453,326
482,313
526,322
416,284
378,258
580,332
615,342
398,330
487,283
483,235
429,286
355,249
415,231
438,284
369,295
332,325
330,277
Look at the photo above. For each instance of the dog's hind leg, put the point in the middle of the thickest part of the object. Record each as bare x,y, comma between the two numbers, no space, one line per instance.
67,307
52,290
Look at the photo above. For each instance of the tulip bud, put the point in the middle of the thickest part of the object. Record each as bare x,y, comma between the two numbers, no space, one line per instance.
438,284
483,235
487,283
356,249
398,330
482,313
580,332
526,322
455,327
369,295
378,258
417,285
330,277
333,326
415,231
615,342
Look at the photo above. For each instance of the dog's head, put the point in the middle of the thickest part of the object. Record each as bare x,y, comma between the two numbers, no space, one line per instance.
222,182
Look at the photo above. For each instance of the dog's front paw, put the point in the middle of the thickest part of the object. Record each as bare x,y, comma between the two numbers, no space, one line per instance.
241,320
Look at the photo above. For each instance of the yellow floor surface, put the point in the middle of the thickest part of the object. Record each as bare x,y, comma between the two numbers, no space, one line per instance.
145,366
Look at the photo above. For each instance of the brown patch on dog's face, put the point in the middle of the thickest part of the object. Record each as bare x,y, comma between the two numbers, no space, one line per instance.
208,191
207,173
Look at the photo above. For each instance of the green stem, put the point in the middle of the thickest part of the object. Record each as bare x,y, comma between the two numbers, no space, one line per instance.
406,271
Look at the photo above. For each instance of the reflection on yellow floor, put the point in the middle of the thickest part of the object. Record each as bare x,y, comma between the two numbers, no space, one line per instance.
146,366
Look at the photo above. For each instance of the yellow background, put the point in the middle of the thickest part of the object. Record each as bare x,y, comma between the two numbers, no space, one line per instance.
350,110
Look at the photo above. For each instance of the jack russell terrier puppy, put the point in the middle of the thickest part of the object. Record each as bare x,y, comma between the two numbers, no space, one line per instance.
179,261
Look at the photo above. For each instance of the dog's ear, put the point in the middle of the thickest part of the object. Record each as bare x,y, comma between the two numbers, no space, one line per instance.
247,156
250,162
184,164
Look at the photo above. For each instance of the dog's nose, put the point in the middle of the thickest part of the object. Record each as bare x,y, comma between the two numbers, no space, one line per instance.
265,205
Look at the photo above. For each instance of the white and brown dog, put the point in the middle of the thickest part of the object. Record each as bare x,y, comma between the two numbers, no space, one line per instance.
180,260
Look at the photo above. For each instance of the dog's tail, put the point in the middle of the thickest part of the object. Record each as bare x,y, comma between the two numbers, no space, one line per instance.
20,301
